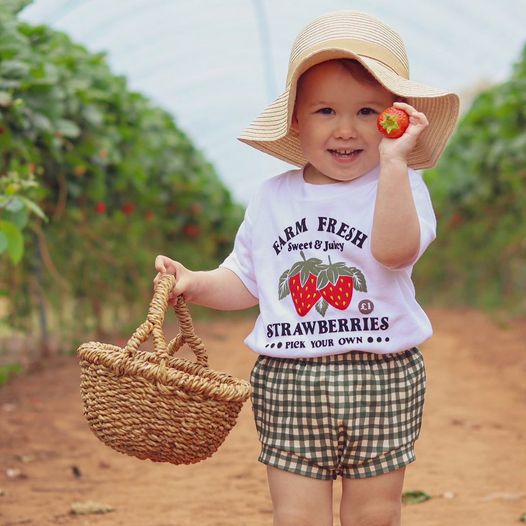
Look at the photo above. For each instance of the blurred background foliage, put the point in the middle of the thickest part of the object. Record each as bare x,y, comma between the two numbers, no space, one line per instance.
95,182
479,193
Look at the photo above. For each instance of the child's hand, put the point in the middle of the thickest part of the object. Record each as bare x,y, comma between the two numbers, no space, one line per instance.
165,265
399,149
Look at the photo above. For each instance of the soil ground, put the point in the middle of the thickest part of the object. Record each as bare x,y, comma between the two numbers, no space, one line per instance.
471,455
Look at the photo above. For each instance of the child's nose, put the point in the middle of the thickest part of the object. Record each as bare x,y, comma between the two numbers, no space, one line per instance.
345,128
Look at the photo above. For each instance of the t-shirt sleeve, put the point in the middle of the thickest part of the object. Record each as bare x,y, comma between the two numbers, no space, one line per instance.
424,209
240,260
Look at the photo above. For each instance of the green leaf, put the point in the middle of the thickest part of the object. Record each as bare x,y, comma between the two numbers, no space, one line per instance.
304,275
323,280
334,271
306,267
296,268
414,497
33,207
41,122
14,204
19,218
13,69
15,241
3,242
332,275
68,128
284,289
358,279
321,306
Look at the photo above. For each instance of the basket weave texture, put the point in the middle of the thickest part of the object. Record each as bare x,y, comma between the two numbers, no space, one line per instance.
153,405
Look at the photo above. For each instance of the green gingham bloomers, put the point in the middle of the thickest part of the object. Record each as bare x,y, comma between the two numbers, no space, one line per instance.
355,414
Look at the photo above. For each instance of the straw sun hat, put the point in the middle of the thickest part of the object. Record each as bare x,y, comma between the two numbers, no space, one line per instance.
359,36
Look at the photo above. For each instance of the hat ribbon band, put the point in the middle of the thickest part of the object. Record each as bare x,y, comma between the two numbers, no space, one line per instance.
354,47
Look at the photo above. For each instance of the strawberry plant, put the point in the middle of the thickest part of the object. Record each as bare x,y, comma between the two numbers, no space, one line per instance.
479,192
117,179
16,207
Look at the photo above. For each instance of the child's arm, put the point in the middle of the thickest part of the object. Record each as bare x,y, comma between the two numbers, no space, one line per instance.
218,289
395,238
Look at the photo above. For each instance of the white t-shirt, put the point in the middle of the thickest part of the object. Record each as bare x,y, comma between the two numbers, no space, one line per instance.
304,251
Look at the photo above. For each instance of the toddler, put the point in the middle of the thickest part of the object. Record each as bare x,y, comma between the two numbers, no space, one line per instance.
327,251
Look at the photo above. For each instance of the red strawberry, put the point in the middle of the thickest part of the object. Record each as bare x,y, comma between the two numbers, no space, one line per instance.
393,122
127,208
191,230
300,282
340,294
100,208
304,296
336,283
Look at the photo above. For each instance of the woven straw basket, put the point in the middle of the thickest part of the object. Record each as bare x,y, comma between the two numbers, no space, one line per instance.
155,406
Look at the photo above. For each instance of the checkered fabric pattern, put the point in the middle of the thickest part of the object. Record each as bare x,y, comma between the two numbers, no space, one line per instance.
356,414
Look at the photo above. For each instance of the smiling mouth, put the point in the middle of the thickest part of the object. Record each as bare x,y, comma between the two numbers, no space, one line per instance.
345,153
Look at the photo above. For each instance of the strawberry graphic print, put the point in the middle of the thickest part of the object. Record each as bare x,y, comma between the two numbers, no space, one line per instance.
305,296
311,282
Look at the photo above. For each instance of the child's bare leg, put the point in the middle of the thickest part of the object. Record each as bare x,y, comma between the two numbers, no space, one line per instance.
374,501
299,500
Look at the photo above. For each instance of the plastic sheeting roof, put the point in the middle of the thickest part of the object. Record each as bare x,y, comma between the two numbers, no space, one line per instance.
215,64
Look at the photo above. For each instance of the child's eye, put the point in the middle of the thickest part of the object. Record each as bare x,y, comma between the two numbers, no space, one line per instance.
367,111
326,111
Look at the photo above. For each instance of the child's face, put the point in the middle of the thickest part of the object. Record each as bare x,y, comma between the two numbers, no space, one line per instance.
335,117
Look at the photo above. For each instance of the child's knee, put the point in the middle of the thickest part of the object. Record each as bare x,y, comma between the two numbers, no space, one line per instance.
288,516
372,514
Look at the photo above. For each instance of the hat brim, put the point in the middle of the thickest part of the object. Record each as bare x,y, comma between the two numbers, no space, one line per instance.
270,132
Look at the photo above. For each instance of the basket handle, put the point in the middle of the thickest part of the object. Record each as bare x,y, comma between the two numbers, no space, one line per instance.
154,323
187,334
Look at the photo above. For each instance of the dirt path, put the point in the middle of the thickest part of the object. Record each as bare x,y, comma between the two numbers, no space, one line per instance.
472,446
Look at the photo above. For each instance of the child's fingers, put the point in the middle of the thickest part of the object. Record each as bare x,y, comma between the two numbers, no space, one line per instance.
415,116
404,106
165,265
160,264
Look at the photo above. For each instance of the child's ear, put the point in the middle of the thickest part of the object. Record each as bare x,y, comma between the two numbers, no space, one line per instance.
294,126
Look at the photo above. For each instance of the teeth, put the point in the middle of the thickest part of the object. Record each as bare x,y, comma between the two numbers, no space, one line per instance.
344,152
